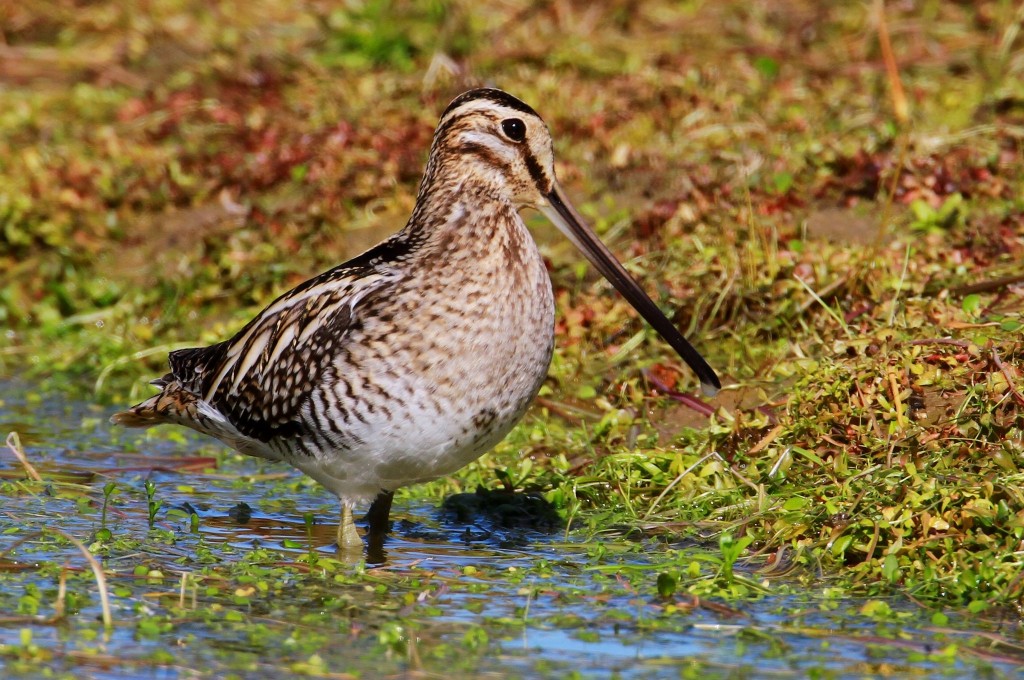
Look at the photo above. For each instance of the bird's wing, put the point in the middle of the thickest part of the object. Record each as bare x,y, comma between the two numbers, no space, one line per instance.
260,378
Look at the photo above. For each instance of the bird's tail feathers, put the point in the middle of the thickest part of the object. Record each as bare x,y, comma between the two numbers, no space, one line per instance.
167,407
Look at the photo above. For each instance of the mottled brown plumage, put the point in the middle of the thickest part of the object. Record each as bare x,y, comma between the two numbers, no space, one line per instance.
416,357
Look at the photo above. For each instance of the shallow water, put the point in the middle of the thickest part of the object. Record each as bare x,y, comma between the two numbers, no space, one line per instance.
214,595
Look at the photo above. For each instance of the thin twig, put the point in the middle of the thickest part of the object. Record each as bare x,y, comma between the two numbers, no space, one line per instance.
181,590
675,481
824,292
896,400
962,344
815,297
14,444
740,476
778,463
1017,397
899,286
987,286
901,110
695,403
573,414
60,606
899,96
97,572
765,440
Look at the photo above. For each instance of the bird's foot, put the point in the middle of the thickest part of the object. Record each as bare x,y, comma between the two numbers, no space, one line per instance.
349,539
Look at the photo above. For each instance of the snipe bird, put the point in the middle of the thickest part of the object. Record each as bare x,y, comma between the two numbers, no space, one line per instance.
409,361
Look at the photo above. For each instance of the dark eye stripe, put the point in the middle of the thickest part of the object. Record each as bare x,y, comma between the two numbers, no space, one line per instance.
536,172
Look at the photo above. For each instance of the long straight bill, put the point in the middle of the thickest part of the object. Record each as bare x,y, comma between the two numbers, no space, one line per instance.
569,222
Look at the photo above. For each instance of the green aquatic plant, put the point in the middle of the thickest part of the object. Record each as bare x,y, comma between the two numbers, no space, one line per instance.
152,504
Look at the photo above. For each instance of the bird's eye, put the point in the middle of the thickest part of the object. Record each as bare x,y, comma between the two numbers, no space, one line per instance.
514,129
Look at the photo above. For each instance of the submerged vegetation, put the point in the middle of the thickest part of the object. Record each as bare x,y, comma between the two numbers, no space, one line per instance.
829,202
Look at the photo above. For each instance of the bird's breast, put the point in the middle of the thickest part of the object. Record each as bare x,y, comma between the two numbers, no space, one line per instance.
441,368
472,343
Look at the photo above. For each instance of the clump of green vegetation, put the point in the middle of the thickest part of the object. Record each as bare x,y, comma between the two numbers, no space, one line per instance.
842,241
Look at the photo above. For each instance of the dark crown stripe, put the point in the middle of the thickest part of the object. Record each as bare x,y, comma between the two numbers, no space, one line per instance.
492,95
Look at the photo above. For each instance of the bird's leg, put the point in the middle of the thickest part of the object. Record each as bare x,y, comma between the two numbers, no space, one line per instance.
348,537
377,517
